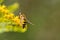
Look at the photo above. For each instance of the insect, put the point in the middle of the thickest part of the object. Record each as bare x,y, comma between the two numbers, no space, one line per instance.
24,20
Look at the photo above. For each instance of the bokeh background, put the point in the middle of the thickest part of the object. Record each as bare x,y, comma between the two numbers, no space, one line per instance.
45,14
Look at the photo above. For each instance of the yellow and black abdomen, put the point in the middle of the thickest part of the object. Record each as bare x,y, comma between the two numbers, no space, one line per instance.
24,26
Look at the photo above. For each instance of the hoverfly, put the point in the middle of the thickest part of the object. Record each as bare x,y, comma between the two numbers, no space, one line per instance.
24,20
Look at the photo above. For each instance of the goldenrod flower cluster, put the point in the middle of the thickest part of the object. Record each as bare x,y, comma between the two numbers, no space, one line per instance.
8,21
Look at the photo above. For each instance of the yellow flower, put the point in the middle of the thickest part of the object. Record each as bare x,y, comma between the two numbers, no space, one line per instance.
2,10
9,16
0,6
5,11
15,29
16,20
3,6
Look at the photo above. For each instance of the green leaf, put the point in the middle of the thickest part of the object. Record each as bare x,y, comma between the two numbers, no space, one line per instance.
1,1
13,7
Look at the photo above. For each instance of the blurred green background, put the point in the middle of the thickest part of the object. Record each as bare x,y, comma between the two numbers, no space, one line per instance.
45,14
